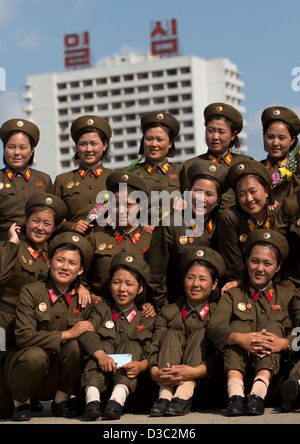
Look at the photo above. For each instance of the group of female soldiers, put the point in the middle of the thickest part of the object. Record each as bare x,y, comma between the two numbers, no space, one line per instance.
94,313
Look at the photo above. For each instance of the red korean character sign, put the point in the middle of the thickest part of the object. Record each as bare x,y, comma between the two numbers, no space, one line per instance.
77,50
164,38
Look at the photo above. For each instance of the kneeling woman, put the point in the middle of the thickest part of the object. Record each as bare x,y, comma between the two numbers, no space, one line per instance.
252,324
120,328
49,319
181,354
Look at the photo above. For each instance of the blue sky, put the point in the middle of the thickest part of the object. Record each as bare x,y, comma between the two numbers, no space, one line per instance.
261,36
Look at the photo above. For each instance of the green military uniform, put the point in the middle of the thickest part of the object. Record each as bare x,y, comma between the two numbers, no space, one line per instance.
170,242
249,309
287,222
43,364
180,330
23,263
109,243
79,188
166,175
281,114
112,241
238,311
117,332
235,225
17,186
227,159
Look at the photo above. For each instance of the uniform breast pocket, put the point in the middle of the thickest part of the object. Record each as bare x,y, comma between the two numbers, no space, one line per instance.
42,318
6,197
242,313
106,333
141,334
72,200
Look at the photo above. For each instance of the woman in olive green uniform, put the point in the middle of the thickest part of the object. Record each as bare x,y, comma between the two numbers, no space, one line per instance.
120,328
253,324
180,352
158,143
18,181
79,188
49,320
125,237
170,241
223,124
25,261
281,127
251,181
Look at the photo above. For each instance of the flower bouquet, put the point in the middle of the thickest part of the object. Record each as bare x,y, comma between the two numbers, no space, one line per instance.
99,208
286,172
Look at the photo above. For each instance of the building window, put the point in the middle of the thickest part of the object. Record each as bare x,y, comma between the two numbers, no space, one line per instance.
74,84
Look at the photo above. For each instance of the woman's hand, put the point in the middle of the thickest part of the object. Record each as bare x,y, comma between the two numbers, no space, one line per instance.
105,362
148,310
229,285
13,234
79,329
134,368
81,227
84,296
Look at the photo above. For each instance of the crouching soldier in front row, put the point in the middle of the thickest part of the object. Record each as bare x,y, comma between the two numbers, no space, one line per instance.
48,362
253,324
120,328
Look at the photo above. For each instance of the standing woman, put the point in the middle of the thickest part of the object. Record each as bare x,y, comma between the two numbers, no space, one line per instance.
79,188
158,143
251,181
18,181
223,125
281,127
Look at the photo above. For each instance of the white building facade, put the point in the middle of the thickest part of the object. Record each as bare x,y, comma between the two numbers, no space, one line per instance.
121,90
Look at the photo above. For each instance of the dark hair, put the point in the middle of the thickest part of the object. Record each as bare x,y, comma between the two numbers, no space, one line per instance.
215,294
31,142
289,128
276,278
38,208
70,247
140,298
102,137
172,151
236,142
207,177
271,199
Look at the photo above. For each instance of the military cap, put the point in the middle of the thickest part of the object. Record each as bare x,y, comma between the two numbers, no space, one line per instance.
48,200
224,110
132,180
23,125
204,254
280,113
135,262
207,168
270,237
95,122
162,118
246,167
74,239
